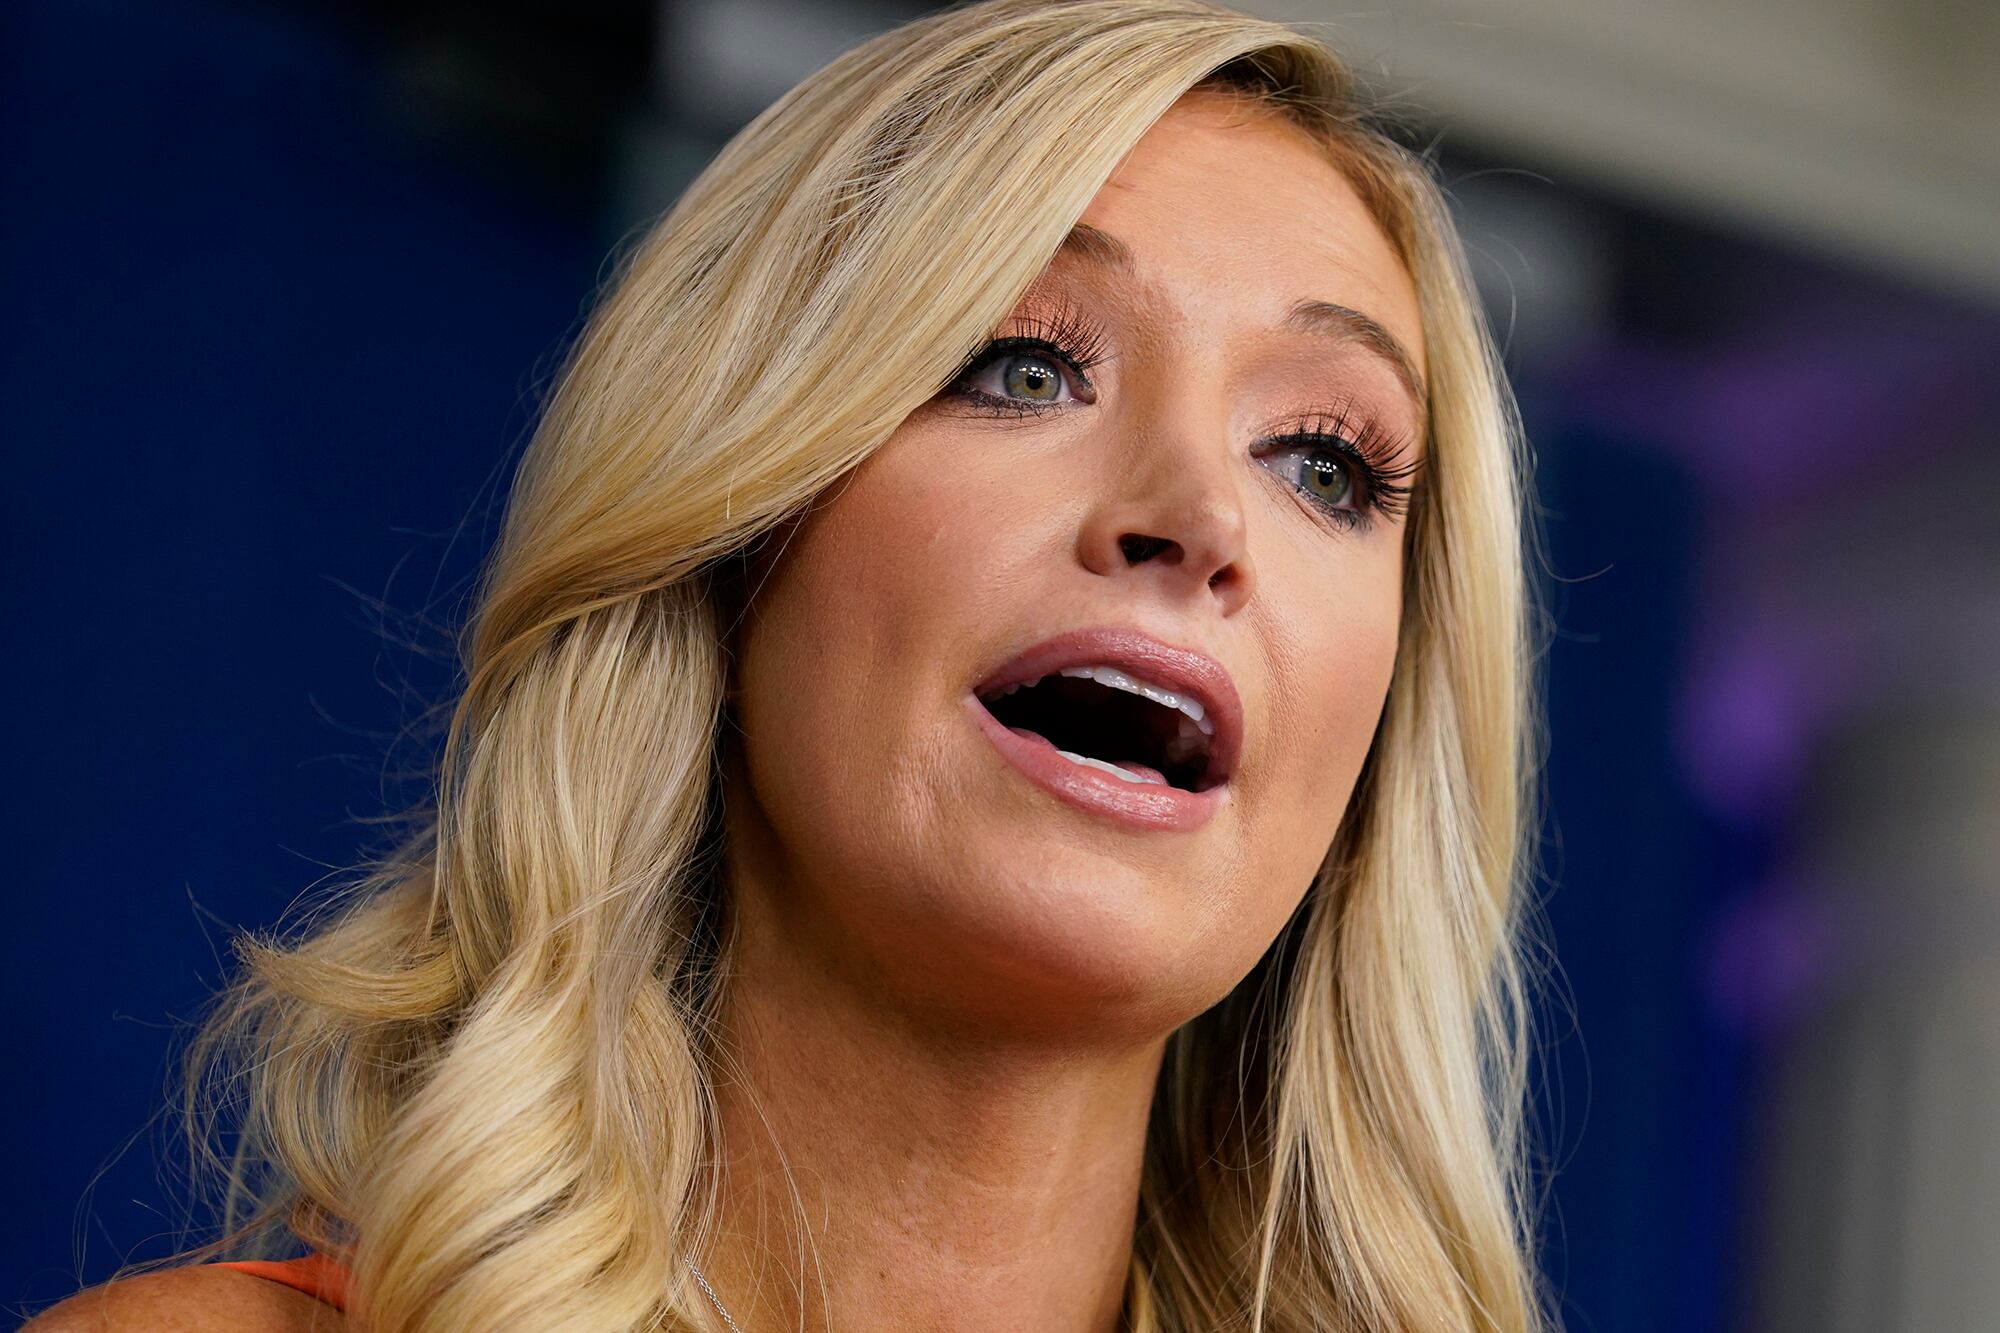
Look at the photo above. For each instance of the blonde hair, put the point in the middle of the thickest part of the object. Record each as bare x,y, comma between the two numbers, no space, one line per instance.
479,1075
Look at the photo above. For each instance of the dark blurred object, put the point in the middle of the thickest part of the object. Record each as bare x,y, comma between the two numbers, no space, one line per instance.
532,89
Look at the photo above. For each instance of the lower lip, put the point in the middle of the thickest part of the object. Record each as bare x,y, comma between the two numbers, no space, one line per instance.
1141,805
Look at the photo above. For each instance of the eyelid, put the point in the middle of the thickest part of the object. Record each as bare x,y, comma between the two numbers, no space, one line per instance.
998,404
1354,514
1064,335
1063,325
1066,327
1003,349
1377,459
1015,344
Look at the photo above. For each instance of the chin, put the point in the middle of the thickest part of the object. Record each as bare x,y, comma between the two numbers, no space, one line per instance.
1049,930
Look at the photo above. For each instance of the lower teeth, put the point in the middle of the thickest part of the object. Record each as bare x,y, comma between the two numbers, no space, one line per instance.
1112,769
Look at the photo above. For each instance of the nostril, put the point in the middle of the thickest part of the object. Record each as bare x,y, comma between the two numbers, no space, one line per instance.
1139,549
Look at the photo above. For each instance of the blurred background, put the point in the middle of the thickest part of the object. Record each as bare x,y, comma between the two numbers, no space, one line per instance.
285,283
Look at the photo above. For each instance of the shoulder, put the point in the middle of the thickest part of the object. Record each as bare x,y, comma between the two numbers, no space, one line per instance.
195,1299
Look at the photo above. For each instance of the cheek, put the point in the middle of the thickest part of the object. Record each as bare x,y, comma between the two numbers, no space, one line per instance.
1333,658
833,613
868,625
934,540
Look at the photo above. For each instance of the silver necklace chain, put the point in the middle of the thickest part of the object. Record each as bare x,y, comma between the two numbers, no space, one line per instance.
713,1299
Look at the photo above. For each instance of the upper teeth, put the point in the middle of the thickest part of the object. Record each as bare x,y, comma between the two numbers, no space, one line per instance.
1119,680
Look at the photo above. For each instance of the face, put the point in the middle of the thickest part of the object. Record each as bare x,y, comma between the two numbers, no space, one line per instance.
1181,468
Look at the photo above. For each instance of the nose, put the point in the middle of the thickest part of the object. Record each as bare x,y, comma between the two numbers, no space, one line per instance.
1176,515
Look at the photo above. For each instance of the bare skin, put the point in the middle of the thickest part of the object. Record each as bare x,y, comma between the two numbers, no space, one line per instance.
951,991
190,1300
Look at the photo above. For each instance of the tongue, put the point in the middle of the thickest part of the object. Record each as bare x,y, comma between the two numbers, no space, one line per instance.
1132,766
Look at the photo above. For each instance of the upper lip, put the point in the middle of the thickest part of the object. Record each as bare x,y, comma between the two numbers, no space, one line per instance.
1181,670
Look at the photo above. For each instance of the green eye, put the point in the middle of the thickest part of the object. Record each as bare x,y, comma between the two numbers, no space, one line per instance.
1031,377
1347,466
1326,478
1016,376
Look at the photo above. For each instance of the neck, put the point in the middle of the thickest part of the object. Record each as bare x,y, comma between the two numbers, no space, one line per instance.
878,1172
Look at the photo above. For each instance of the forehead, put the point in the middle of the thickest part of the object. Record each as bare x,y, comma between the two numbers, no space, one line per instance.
1233,212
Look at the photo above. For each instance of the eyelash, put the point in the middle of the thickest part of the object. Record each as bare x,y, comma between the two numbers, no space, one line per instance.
1066,335
1372,456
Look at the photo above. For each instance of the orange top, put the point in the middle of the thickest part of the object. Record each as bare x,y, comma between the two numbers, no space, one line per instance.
319,1276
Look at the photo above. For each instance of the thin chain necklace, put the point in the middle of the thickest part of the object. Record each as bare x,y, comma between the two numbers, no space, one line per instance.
713,1299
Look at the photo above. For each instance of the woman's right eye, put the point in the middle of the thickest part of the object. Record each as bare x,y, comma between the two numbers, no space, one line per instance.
1024,374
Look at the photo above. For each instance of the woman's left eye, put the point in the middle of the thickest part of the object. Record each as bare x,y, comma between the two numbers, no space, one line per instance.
1024,374
1325,475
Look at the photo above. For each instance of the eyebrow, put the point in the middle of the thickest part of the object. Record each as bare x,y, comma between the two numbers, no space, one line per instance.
1323,318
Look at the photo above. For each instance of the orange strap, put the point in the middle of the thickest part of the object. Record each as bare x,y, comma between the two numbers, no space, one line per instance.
320,1276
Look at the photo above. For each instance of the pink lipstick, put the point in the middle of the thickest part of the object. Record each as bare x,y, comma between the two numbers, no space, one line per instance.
1117,723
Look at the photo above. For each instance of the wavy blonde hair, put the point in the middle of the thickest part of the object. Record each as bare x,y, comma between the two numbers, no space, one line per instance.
479,1073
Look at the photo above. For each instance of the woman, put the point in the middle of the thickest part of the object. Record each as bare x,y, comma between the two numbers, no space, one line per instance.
988,788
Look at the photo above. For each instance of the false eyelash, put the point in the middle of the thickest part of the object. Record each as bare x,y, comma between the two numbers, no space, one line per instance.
1064,331
1379,455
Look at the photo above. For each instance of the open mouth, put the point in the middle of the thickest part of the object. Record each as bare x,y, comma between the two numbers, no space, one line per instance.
1104,718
